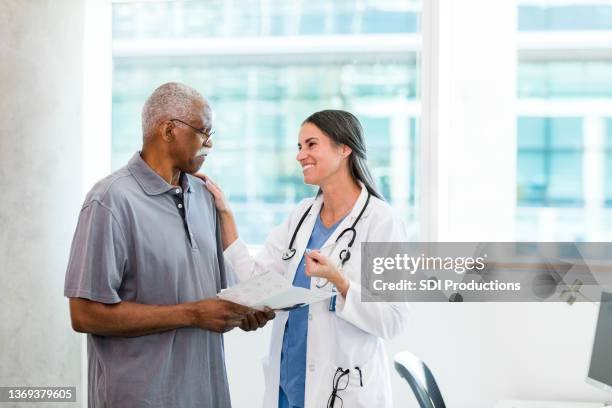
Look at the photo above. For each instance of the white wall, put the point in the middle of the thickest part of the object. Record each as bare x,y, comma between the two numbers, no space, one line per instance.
479,354
40,163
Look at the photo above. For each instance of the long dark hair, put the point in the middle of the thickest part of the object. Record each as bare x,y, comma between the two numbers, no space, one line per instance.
344,128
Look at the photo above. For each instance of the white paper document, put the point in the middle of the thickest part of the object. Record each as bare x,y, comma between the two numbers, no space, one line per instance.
272,290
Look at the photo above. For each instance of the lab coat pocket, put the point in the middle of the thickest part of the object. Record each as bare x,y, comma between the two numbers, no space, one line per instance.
356,386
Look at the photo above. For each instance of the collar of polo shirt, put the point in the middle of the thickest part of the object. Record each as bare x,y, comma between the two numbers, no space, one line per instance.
149,180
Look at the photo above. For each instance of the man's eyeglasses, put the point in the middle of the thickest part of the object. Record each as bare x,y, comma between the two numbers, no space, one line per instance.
205,135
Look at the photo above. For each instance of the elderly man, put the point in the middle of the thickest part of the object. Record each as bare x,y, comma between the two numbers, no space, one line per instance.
145,265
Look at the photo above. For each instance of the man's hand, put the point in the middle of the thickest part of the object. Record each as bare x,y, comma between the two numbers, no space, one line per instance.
218,315
257,320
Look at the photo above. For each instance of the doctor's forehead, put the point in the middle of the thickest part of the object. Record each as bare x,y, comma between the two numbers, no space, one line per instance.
308,131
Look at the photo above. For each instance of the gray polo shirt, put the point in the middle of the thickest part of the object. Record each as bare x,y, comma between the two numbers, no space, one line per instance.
140,239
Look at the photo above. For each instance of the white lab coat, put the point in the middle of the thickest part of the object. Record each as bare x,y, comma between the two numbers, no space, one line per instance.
352,335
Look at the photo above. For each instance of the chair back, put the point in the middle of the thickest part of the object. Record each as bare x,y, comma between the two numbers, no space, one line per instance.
421,380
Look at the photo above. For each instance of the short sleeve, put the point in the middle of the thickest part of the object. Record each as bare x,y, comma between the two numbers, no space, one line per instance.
98,256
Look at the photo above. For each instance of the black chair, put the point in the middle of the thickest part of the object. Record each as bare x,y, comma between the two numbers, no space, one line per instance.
421,380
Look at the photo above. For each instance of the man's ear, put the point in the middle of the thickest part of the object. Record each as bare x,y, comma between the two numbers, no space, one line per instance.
166,130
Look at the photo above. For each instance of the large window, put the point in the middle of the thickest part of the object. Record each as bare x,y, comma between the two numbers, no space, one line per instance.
265,68
558,15
565,102
550,161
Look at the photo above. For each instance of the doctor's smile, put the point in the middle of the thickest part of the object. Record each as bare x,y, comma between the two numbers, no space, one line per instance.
307,166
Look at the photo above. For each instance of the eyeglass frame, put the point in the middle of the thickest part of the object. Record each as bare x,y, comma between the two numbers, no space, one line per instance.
205,136
338,376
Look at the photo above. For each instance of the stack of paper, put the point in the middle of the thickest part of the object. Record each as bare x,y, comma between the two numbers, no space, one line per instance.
272,290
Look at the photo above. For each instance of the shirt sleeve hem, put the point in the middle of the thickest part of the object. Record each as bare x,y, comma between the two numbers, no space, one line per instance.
76,293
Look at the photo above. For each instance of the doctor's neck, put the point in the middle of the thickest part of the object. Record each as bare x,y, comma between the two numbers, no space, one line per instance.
340,193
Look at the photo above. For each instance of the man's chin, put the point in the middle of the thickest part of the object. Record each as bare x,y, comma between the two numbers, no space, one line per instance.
196,164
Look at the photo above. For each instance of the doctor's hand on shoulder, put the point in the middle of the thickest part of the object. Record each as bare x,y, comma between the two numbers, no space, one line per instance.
318,265
220,201
229,230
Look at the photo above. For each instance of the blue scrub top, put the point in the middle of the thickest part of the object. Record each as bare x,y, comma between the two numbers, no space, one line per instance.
293,354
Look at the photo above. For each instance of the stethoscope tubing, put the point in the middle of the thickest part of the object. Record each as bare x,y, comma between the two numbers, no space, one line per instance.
345,254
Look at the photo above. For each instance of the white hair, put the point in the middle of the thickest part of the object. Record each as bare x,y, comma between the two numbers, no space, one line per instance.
170,100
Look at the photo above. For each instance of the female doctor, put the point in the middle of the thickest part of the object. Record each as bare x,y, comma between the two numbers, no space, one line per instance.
328,354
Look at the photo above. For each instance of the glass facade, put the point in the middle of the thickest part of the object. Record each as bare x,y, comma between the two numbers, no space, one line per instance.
182,19
565,79
564,164
259,101
550,160
608,163
264,70
583,15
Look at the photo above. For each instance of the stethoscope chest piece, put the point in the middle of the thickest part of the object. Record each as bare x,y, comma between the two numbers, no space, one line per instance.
288,254
345,255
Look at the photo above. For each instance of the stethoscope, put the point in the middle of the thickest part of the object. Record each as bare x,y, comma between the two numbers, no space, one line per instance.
344,255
